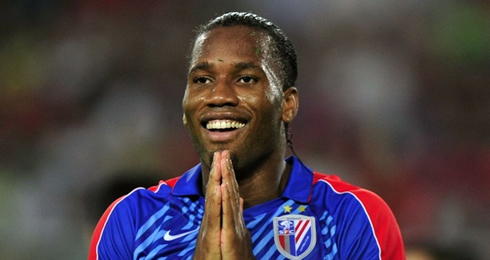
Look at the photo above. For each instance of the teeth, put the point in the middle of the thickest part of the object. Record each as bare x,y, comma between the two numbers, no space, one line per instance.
223,124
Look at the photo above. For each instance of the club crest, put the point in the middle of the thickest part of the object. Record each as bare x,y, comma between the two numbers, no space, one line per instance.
294,235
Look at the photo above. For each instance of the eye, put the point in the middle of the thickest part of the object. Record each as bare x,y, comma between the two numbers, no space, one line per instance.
202,80
247,79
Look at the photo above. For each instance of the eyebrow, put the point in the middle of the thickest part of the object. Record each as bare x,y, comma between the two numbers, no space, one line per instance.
200,66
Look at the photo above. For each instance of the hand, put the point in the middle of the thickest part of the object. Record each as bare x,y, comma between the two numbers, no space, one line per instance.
223,233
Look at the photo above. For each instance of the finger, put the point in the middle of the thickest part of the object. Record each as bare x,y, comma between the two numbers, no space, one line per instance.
230,194
207,246
235,238
212,209
215,173
228,176
241,205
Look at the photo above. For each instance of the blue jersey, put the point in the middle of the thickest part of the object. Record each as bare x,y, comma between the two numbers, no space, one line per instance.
317,217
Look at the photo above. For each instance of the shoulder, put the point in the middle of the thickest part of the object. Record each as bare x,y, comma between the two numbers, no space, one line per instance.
137,200
351,199
118,224
336,188
356,208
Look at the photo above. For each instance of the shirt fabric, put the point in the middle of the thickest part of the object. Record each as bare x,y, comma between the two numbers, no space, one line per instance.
317,217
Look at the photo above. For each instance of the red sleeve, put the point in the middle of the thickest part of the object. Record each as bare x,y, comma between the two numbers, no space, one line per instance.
384,224
171,182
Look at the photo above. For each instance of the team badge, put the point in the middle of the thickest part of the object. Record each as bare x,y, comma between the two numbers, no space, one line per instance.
294,235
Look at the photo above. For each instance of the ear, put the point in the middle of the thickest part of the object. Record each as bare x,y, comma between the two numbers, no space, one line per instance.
290,104
184,120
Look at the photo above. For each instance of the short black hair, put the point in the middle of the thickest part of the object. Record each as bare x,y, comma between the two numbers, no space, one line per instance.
282,47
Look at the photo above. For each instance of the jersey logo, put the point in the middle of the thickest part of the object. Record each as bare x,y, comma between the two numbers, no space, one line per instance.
169,237
294,235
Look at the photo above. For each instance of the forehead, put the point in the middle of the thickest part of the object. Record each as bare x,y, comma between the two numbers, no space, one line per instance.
231,41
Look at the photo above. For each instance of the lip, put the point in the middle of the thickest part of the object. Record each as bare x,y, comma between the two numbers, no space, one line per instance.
220,137
223,116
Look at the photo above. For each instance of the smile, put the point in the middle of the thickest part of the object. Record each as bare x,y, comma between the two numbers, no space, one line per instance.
224,125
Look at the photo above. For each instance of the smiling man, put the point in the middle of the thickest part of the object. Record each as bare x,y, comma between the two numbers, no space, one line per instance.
245,200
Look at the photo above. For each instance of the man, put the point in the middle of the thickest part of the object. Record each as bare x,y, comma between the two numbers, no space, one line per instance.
244,200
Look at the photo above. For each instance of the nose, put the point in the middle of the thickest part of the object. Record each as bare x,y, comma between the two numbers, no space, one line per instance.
222,94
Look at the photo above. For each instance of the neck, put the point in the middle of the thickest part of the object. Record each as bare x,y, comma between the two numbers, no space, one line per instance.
265,184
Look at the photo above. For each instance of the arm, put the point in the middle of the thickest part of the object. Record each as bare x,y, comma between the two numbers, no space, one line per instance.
112,236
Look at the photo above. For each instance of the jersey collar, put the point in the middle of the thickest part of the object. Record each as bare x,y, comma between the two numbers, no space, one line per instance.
189,183
298,188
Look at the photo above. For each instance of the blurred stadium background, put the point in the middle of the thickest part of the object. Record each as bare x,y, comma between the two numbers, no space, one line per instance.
394,96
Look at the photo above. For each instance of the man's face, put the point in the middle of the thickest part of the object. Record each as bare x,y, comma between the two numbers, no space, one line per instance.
233,96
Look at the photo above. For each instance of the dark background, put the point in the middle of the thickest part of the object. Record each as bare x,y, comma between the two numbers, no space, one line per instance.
394,97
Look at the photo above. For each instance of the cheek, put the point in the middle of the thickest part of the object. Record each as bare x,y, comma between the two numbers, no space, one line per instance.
272,101
266,107
274,92
188,108
191,101
275,96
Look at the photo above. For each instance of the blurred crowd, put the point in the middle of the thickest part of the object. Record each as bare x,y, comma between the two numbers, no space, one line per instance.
394,97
